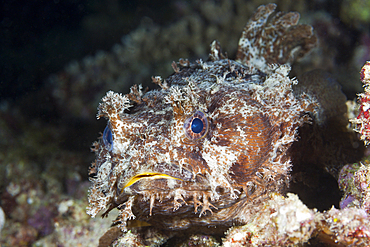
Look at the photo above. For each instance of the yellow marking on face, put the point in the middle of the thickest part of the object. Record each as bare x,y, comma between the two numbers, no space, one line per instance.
152,175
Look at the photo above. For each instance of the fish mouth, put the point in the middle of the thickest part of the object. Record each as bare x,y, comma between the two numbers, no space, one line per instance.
168,199
182,189
189,194
150,175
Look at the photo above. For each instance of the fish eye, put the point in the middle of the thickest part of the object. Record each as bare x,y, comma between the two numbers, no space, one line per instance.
108,137
196,126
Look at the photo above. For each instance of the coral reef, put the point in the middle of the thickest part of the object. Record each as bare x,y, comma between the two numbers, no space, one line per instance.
46,127
288,222
354,181
73,227
346,227
280,222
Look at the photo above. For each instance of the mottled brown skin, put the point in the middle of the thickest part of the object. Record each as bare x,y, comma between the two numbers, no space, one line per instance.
244,140
152,169
260,134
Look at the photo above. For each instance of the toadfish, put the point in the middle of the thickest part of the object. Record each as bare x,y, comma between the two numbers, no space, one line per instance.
208,146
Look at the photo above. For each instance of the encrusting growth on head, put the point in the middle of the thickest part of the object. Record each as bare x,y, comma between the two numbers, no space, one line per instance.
274,40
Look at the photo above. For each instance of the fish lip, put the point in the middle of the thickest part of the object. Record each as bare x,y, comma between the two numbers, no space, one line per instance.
152,175
163,171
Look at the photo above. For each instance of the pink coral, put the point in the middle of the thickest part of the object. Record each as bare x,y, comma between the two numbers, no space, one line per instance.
362,122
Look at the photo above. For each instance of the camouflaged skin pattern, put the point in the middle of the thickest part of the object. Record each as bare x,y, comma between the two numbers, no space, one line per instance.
212,141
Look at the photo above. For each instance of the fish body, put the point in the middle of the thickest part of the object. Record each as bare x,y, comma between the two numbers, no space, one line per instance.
211,143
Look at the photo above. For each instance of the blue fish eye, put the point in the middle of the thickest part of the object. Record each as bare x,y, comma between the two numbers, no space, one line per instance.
197,125
108,138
